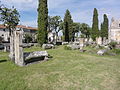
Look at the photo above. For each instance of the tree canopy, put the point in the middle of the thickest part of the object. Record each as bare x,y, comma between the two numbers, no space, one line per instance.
68,29
9,17
42,22
95,25
104,27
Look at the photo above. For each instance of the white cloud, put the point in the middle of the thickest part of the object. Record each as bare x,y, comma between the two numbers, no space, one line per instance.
21,5
81,10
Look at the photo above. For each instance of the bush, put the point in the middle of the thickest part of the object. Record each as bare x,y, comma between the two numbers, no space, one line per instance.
117,51
28,38
113,44
67,48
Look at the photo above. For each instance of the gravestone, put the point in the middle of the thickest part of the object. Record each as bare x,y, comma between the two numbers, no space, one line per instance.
19,56
48,46
81,43
102,52
19,60
99,41
90,41
36,54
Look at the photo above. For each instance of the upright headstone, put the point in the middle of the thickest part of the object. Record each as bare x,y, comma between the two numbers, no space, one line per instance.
19,60
90,41
99,41
81,43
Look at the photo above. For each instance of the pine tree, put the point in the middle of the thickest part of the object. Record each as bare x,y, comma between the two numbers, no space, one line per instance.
95,27
105,27
68,29
42,22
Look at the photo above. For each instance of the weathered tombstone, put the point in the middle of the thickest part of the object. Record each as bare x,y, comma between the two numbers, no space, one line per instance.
81,43
48,46
90,41
65,43
36,54
11,55
105,41
99,41
5,48
101,52
19,60
86,40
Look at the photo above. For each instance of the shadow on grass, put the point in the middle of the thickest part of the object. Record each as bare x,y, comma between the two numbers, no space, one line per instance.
2,61
34,60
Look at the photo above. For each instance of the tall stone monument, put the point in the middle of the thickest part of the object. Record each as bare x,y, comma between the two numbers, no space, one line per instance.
99,41
82,43
19,60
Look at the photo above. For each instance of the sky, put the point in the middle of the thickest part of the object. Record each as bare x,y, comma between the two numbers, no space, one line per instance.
81,10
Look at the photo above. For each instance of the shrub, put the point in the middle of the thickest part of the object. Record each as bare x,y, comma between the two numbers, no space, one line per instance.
67,48
28,38
117,51
113,44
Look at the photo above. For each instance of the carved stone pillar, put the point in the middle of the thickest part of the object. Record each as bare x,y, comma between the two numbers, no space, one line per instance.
19,60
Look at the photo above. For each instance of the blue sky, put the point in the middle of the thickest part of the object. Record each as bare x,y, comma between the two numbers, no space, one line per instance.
81,10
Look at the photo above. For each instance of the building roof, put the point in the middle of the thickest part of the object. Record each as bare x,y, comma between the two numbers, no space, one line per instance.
21,26
2,26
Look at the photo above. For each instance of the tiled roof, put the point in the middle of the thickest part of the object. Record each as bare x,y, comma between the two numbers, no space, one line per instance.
20,26
2,26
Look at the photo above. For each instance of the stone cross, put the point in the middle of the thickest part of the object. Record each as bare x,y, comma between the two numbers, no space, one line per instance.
19,60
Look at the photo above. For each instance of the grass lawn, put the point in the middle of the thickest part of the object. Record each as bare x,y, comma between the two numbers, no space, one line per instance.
67,70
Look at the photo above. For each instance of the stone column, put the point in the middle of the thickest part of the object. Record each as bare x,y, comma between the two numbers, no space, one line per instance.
12,46
81,43
5,48
99,41
19,60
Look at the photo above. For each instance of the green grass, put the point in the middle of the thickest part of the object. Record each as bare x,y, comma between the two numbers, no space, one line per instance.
67,70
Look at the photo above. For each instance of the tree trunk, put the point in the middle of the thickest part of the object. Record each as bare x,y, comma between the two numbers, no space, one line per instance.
12,46
56,37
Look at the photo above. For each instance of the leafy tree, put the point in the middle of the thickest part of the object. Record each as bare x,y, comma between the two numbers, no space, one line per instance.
42,22
85,30
50,23
68,29
76,29
28,38
54,24
10,18
105,27
95,28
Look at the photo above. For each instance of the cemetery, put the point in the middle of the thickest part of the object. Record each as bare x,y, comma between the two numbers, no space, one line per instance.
60,54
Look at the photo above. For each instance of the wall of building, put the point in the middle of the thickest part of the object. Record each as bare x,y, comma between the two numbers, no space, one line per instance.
114,32
4,33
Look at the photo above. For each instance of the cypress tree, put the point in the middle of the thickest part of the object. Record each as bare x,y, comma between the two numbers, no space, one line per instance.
42,22
95,27
68,29
101,30
105,27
